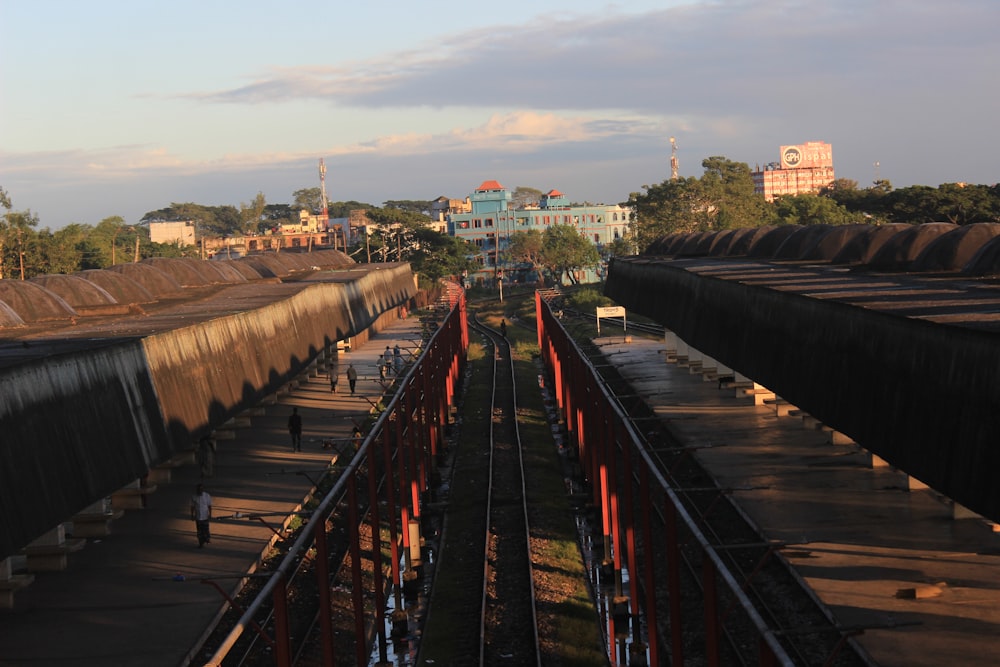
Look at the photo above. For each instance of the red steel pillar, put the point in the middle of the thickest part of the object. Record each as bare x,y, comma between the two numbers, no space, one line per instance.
282,638
323,585
674,585
357,594
376,523
652,632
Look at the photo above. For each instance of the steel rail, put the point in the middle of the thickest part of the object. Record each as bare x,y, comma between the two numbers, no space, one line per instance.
499,343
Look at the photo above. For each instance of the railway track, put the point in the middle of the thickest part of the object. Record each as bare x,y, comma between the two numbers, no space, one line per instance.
485,569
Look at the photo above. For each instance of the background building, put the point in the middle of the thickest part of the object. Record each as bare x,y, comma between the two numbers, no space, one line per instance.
179,233
491,222
803,168
442,207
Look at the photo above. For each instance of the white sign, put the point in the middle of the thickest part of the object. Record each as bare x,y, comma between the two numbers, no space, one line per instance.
610,311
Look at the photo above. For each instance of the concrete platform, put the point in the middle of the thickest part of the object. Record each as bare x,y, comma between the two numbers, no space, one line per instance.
877,554
134,597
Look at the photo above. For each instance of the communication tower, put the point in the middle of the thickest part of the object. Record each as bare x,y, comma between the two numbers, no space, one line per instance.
673,159
324,215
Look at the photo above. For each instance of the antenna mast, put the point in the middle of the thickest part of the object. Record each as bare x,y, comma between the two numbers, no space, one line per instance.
673,159
325,215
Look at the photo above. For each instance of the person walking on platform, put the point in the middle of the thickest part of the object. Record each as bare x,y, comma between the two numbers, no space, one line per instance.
387,357
381,369
352,378
397,359
333,380
206,455
295,429
201,512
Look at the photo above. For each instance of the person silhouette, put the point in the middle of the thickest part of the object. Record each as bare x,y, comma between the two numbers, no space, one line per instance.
352,377
295,429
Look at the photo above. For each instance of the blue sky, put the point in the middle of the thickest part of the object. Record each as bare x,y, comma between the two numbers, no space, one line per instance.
119,108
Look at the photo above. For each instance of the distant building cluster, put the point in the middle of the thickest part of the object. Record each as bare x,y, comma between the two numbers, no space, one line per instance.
487,221
803,168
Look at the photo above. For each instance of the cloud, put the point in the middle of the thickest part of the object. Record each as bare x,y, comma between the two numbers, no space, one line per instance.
697,58
514,132
584,104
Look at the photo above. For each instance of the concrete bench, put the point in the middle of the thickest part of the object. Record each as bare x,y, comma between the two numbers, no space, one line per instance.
133,496
95,524
782,408
162,473
51,557
761,395
10,585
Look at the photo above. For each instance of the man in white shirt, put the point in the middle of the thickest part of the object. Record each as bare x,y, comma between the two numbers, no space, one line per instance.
201,512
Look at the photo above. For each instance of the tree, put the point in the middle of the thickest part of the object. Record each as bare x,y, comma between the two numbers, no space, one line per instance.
104,241
66,249
209,221
252,214
729,187
18,245
276,215
565,251
810,209
966,204
723,198
524,196
526,248
308,199
418,206
437,255
342,209
621,247
672,206
393,232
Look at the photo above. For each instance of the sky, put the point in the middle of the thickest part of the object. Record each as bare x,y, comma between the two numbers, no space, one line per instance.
118,108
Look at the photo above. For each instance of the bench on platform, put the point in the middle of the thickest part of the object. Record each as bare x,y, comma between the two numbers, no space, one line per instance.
51,557
10,583
162,473
782,408
95,524
133,496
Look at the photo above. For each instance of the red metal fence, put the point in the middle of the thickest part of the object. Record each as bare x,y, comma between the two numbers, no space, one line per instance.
390,472
631,492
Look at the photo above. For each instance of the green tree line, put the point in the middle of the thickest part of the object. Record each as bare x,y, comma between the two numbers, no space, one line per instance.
724,198
399,235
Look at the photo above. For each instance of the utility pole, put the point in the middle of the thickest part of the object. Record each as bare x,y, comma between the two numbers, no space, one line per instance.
20,251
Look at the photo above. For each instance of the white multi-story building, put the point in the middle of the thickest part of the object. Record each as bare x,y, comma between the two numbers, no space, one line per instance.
179,233
491,221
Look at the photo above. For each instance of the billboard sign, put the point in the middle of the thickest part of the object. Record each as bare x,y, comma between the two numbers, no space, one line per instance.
807,155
